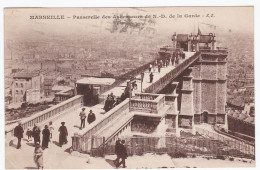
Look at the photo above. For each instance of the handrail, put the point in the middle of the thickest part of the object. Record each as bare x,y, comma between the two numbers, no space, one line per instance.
159,84
50,112
227,140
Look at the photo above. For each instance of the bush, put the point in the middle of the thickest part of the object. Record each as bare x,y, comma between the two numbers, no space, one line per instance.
231,159
177,155
220,157
140,153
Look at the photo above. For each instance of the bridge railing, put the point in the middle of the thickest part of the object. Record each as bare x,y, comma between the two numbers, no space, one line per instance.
176,145
122,78
141,105
146,105
63,107
219,50
160,84
82,141
233,144
146,96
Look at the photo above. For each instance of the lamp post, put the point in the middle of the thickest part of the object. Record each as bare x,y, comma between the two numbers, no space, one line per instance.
142,79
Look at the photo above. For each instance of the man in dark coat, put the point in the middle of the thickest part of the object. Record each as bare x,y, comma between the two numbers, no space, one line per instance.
45,137
18,132
117,146
91,117
159,67
36,134
122,153
63,134
122,98
107,103
151,77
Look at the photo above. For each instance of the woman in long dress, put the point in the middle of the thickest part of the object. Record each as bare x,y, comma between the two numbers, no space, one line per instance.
63,134
45,137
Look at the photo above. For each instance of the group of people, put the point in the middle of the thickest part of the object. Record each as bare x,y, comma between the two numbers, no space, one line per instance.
121,153
47,134
91,117
46,138
113,101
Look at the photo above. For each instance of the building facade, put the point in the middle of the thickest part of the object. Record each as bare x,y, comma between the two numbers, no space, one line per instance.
23,82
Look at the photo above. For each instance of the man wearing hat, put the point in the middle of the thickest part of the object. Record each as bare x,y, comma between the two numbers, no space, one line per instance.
18,132
91,117
63,134
82,118
36,133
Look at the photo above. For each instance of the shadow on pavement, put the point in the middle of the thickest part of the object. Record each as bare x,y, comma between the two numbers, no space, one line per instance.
30,168
76,126
68,150
111,162
56,143
11,143
30,144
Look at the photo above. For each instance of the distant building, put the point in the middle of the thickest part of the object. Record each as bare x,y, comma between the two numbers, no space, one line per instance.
47,86
92,87
22,82
62,93
33,96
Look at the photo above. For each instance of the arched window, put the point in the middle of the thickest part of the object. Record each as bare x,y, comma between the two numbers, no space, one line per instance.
21,91
21,84
16,84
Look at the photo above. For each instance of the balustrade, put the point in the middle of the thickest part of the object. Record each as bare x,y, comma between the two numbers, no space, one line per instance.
159,84
48,113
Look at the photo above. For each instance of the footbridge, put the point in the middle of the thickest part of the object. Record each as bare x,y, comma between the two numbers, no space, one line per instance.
55,113
116,122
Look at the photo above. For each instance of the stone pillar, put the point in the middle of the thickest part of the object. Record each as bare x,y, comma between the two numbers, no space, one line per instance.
178,134
186,111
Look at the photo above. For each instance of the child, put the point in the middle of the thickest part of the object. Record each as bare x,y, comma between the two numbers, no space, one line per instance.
29,134
51,128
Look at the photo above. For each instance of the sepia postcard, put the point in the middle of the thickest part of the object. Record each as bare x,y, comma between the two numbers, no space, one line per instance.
134,88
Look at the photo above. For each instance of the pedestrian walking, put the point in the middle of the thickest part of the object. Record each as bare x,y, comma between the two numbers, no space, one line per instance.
91,117
83,116
107,103
51,128
18,132
122,154
36,134
172,59
29,134
63,134
45,137
117,146
38,155
151,77
122,98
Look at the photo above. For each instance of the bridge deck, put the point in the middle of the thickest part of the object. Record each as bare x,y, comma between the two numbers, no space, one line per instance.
117,91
